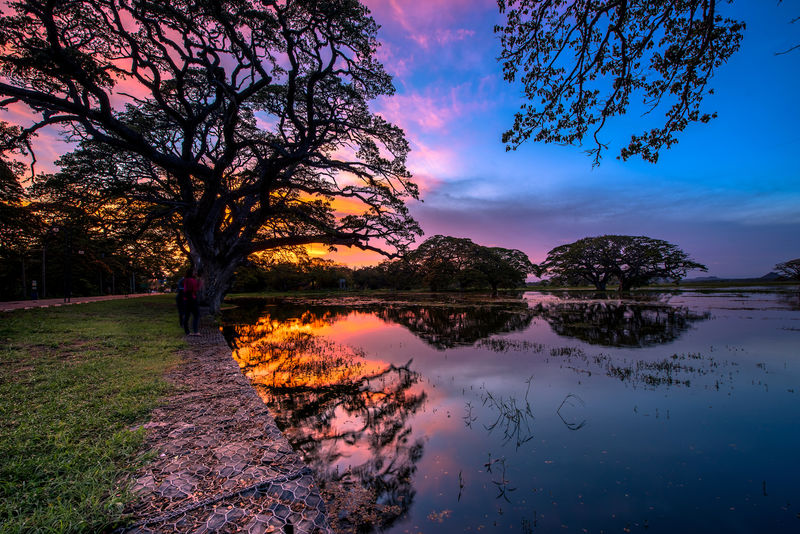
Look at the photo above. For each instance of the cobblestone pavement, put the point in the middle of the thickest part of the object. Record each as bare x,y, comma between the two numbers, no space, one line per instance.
222,465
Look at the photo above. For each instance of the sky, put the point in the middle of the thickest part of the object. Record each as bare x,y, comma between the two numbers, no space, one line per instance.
728,193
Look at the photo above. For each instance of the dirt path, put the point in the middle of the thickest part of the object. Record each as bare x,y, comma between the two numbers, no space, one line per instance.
222,465
12,305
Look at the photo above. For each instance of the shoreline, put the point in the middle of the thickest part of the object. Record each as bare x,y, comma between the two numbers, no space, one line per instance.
221,462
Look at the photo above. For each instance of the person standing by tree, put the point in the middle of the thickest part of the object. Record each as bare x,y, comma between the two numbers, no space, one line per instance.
191,286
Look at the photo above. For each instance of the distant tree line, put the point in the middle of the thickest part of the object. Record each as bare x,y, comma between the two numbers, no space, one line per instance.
440,263
70,250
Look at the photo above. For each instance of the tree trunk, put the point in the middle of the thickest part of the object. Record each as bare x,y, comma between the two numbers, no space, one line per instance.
216,280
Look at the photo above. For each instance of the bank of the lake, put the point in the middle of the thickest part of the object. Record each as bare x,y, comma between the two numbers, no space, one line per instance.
112,419
73,380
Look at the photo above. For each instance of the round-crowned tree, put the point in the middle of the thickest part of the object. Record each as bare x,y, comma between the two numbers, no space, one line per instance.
790,269
632,261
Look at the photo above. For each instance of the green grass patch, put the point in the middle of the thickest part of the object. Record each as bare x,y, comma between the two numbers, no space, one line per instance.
73,381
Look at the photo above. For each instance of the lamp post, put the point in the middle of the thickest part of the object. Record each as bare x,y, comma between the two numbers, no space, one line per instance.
24,279
54,230
44,255
68,268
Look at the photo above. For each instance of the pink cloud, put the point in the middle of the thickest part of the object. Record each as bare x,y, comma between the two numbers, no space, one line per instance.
430,22
441,36
48,144
427,182
432,163
435,109
413,14
448,36
393,60
416,111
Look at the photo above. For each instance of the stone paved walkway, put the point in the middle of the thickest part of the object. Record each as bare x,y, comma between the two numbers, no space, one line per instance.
222,465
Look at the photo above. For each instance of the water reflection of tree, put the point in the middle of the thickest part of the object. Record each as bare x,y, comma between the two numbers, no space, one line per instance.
618,324
442,325
790,300
348,417
445,327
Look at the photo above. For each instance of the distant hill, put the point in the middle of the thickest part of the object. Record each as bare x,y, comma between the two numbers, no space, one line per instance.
702,280
769,277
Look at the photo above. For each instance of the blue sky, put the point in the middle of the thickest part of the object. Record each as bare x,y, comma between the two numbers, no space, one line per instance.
728,193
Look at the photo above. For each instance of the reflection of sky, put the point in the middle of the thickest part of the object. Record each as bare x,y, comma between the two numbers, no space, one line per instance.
699,456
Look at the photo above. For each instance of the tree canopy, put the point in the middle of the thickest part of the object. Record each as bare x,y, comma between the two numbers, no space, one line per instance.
790,269
240,124
632,261
442,261
582,62
439,263
16,218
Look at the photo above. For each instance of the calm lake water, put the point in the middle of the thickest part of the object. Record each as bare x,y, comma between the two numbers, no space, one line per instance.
540,412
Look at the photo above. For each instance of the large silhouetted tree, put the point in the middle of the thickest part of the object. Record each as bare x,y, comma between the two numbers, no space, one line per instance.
633,261
443,261
504,267
790,269
241,121
583,61
15,217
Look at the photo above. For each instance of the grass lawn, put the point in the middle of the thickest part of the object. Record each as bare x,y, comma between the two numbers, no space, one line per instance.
73,380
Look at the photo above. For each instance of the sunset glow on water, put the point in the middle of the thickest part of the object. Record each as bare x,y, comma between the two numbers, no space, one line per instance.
544,412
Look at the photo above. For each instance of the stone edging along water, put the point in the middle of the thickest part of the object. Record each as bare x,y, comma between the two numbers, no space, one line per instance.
221,463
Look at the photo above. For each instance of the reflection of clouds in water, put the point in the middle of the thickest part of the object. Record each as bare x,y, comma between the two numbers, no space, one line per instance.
441,324
445,327
351,414
348,416
595,318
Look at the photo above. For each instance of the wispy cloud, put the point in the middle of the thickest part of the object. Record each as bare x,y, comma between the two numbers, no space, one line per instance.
414,34
441,37
434,109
